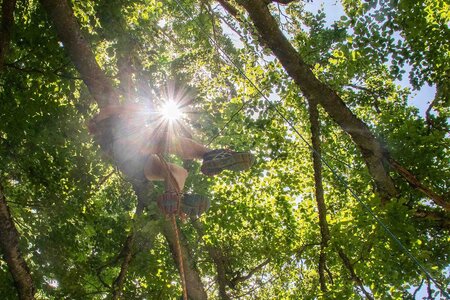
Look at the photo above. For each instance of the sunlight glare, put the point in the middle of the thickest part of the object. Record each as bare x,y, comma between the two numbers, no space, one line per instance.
171,111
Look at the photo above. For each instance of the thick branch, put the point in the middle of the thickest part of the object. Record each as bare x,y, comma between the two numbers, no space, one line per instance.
316,91
229,8
76,45
9,244
321,206
280,1
441,219
411,179
5,28
195,288
348,265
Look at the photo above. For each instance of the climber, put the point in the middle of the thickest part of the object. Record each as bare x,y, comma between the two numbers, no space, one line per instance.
137,137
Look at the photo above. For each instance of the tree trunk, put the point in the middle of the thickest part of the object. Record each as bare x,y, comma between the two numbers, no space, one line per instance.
321,206
218,257
76,45
104,93
317,92
195,288
9,244
5,28
9,236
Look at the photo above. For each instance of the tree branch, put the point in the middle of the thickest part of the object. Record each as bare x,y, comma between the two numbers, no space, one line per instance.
127,254
239,279
321,206
68,29
9,244
413,181
314,90
441,218
6,28
348,265
418,288
280,1
230,8
142,190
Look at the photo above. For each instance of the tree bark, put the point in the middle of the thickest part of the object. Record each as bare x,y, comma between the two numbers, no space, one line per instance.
413,181
321,206
218,257
6,28
142,190
104,93
348,265
195,288
76,45
437,218
9,244
316,91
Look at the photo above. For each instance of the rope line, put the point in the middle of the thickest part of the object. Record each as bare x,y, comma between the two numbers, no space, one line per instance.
342,180
228,122
173,182
180,257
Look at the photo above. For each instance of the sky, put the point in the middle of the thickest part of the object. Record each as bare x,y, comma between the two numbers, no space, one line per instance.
333,11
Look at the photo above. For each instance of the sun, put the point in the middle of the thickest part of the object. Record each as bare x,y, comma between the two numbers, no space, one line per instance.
171,111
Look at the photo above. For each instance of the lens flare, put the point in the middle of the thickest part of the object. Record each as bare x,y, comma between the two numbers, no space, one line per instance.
171,111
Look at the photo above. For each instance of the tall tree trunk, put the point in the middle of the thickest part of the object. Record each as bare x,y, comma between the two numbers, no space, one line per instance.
9,244
317,92
76,45
142,190
195,288
9,236
104,93
6,28
375,156
321,206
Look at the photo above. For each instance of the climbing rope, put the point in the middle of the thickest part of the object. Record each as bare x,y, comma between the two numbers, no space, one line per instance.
180,257
173,183
340,178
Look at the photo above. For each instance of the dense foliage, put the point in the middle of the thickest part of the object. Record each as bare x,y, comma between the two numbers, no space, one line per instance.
261,238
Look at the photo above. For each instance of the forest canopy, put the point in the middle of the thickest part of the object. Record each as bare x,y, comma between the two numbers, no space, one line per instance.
349,195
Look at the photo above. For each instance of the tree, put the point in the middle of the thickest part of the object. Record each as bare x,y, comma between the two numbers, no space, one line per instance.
84,223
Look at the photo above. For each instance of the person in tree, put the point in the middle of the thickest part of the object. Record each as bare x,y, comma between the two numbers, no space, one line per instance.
139,136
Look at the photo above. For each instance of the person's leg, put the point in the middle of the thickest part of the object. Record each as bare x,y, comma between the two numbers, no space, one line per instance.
155,170
187,148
